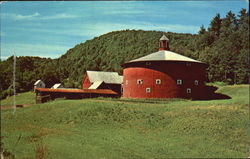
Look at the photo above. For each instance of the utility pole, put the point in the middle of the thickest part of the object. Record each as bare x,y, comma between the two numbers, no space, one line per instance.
14,83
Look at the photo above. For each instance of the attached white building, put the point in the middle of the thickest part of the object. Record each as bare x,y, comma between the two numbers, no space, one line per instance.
57,85
39,84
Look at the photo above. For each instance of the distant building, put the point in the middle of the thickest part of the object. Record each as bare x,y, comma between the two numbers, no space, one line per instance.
39,84
57,85
164,74
102,80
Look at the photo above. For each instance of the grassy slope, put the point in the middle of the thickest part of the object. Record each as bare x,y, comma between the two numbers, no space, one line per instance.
22,98
118,128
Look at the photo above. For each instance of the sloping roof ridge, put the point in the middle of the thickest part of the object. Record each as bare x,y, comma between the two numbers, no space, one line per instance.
164,37
102,71
37,82
165,55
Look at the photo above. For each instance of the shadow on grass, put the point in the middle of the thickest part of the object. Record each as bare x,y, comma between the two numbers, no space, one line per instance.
213,95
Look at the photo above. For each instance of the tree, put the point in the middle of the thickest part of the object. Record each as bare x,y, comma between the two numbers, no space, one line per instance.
202,30
215,25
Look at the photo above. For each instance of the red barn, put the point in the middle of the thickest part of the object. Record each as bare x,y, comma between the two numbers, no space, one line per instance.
102,80
164,74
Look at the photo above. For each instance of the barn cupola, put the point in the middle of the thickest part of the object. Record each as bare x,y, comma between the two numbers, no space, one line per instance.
164,43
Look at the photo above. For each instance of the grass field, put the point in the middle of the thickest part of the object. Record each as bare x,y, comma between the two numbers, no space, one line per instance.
120,128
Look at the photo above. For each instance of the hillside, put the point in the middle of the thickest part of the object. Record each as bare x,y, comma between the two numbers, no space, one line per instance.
124,128
216,45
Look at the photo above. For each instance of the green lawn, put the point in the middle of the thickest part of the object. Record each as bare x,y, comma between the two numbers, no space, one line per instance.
120,128
22,98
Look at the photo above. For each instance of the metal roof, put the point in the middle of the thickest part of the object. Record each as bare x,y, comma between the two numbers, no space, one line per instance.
95,85
83,91
107,77
38,81
164,38
57,85
165,55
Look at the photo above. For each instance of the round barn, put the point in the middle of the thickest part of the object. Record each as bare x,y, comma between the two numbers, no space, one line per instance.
164,74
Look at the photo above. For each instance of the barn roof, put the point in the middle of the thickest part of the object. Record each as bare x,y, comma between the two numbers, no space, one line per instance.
95,85
165,55
81,91
107,77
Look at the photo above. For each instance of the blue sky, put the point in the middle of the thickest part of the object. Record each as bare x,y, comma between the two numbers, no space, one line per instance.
49,29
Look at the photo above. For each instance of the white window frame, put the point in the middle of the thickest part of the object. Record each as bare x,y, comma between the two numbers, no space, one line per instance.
158,81
126,82
148,90
148,63
196,82
179,82
139,81
189,90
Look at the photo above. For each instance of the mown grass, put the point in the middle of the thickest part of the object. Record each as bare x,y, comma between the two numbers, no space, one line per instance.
120,128
21,98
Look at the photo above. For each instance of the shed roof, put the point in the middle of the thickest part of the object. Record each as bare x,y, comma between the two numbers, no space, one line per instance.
165,55
38,81
107,77
57,85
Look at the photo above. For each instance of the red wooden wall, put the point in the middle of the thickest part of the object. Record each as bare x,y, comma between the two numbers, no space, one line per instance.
168,73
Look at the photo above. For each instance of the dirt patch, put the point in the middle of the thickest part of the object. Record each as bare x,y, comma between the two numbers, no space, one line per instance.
4,107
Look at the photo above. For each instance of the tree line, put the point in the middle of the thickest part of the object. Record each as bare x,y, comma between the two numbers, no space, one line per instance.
224,46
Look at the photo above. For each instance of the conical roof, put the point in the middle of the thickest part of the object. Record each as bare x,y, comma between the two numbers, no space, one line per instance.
164,38
165,55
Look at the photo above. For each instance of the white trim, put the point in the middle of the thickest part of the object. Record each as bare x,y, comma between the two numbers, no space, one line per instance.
196,82
158,81
139,81
148,90
189,90
179,82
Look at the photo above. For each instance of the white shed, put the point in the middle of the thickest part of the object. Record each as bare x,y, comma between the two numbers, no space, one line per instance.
39,84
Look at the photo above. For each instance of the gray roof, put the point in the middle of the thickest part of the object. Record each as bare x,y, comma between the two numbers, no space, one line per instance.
57,85
107,77
165,55
38,81
95,85
164,38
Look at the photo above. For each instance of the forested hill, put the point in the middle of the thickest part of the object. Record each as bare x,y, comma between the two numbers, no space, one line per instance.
224,46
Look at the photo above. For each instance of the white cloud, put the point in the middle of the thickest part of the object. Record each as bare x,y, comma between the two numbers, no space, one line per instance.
59,16
36,16
41,50
98,29
19,16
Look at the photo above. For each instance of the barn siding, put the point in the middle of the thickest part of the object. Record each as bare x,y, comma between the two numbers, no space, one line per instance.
168,72
86,82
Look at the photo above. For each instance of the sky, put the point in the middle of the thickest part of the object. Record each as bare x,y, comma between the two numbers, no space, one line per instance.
50,28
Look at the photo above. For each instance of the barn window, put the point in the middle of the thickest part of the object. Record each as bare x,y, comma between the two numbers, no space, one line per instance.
139,81
148,90
196,82
188,90
148,63
179,82
158,81
126,82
